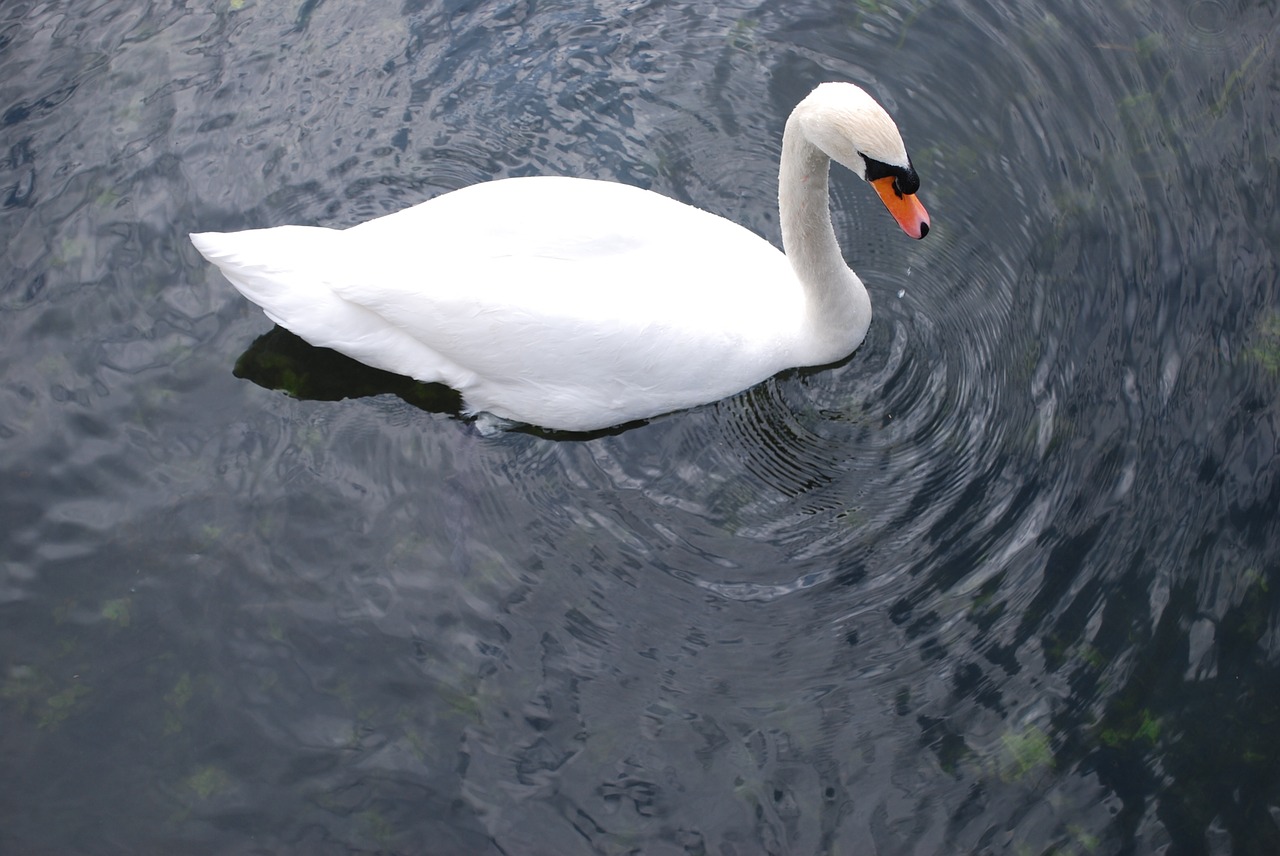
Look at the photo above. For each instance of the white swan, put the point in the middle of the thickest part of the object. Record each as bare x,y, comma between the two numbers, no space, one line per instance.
575,304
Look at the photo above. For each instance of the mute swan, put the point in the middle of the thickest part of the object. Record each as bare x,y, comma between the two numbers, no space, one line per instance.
574,304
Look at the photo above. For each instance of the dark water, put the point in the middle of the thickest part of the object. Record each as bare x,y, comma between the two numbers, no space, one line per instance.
1007,581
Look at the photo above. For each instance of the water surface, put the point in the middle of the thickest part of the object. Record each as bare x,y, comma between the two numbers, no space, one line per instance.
1005,581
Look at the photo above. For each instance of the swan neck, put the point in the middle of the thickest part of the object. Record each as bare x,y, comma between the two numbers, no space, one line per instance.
839,307
807,233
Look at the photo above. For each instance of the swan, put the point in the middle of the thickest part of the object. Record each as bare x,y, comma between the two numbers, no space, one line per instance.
577,305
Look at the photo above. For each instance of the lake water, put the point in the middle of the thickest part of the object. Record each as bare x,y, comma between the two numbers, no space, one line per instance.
1005,581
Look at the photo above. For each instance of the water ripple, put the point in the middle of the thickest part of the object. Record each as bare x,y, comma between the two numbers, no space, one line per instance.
973,589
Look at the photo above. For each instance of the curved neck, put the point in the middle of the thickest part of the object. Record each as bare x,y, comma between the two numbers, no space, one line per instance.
839,308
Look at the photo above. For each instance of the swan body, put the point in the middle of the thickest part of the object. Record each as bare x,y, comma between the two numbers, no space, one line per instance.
575,304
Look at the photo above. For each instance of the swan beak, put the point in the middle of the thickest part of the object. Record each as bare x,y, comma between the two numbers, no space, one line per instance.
905,207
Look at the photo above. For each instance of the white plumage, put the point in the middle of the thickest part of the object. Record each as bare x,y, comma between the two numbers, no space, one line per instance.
575,304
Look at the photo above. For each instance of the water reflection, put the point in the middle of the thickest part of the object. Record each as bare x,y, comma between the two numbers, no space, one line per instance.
1004,581
282,361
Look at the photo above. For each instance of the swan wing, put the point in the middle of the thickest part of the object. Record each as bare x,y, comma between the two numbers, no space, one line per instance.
548,300
580,293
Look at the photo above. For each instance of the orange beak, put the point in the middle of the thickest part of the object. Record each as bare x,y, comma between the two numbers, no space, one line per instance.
904,207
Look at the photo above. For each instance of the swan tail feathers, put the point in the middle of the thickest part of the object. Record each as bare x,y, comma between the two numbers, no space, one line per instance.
270,266
291,272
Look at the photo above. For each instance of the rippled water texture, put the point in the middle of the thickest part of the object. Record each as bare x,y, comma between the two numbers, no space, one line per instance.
1006,581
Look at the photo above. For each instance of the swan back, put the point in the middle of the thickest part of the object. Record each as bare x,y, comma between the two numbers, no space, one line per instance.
566,303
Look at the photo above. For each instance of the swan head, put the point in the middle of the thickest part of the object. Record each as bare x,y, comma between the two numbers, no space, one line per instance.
851,128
